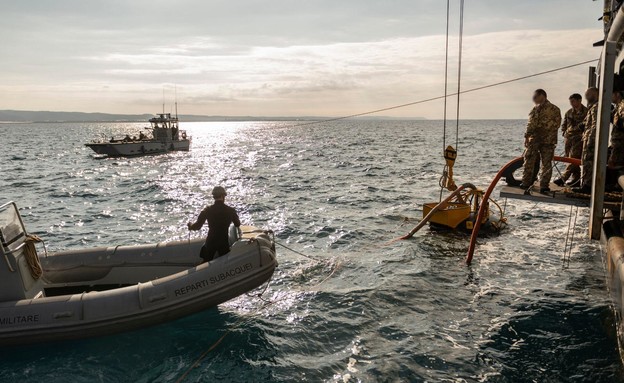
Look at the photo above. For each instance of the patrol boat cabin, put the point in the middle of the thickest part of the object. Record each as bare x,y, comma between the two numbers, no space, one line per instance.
166,136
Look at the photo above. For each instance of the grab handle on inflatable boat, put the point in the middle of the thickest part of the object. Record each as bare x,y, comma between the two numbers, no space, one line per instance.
63,314
16,249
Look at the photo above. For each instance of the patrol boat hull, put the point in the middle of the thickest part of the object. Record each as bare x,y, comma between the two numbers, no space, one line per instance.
138,148
161,282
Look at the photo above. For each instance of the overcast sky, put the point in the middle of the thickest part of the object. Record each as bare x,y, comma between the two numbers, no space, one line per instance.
287,57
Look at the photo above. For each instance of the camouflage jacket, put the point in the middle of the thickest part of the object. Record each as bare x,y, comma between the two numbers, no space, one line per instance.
590,121
543,125
572,125
617,134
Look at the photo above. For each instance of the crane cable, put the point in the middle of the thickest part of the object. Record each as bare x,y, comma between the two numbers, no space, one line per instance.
459,69
450,153
423,101
446,55
444,177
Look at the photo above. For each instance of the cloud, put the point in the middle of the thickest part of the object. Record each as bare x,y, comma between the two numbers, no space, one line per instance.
283,58
346,78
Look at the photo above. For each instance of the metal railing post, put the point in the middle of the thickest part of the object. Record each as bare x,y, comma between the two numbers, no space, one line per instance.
607,70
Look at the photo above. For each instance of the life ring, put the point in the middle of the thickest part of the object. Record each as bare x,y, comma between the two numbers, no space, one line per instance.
184,135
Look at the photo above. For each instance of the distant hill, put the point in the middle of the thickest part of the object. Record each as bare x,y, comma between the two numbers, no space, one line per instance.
42,116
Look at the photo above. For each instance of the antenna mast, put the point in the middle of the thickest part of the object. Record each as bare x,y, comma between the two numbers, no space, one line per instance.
163,99
175,90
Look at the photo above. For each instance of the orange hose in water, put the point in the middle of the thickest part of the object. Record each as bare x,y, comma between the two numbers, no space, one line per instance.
488,192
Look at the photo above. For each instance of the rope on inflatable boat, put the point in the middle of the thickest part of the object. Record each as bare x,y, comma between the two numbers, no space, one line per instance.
30,253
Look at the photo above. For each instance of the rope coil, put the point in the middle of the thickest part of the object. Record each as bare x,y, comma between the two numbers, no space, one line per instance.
30,253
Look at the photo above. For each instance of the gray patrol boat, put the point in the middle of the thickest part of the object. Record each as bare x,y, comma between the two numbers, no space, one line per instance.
166,136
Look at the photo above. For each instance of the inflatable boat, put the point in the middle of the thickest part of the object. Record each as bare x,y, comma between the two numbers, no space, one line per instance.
101,291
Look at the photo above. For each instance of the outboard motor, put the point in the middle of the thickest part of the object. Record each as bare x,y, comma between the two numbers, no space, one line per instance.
19,276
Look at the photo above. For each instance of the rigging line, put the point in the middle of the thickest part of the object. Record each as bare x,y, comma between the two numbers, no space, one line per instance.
459,70
300,253
446,61
446,55
244,319
441,97
567,238
241,320
572,236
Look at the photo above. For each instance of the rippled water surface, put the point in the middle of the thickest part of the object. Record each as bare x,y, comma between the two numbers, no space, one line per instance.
409,311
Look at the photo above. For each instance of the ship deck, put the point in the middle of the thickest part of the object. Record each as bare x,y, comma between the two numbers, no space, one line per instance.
557,195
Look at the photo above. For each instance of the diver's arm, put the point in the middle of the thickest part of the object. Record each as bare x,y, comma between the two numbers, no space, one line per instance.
200,221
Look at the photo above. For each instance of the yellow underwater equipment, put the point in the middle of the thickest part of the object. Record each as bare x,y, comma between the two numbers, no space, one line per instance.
452,212
458,211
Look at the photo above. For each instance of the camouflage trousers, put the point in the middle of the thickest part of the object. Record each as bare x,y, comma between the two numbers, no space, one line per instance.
573,149
617,153
587,159
536,153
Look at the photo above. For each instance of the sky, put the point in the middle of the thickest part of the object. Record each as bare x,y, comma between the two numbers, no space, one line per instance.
288,57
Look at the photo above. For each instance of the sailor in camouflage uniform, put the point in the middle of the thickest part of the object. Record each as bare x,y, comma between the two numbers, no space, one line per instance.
589,141
616,160
540,141
572,130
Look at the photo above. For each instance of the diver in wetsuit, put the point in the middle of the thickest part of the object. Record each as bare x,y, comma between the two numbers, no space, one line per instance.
219,216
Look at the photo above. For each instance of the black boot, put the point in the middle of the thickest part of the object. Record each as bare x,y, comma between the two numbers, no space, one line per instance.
584,189
559,182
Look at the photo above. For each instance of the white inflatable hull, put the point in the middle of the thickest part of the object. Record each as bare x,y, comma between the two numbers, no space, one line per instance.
122,265
146,301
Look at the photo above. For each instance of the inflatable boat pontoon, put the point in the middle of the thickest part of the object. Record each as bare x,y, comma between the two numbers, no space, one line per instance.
101,291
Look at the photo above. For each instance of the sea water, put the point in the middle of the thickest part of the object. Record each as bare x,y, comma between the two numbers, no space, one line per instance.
362,309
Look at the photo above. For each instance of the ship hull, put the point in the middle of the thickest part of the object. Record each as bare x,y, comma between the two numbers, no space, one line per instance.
613,256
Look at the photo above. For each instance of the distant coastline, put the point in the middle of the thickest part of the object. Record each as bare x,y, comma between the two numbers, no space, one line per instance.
23,116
